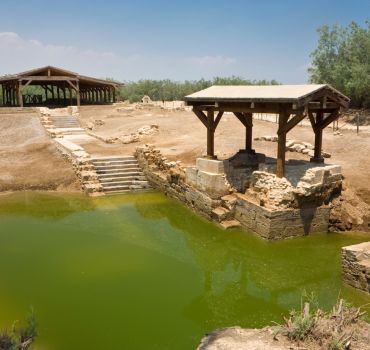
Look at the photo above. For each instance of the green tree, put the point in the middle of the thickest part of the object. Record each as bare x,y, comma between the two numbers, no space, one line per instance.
342,59
169,90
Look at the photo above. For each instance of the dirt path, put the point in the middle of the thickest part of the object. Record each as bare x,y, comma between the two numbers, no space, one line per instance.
29,159
182,136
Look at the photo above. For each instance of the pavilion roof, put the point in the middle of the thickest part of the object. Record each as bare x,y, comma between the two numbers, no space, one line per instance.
59,73
262,93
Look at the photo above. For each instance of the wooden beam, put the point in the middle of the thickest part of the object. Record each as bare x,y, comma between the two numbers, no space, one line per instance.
217,120
292,123
72,85
329,119
48,78
202,117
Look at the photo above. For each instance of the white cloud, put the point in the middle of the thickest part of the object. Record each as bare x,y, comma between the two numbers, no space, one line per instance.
19,54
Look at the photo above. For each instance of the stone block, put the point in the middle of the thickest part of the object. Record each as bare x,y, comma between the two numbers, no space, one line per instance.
191,176
210,166
215,185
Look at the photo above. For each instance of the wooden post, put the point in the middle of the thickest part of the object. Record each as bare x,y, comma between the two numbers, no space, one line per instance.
3,94
64,94
78,93
58,94
20,96
317,158
248,131
280,162
210,135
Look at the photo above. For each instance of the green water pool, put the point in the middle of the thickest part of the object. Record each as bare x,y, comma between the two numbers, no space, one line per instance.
143,272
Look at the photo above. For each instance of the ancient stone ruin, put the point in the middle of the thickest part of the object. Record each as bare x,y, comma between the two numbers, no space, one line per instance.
356,266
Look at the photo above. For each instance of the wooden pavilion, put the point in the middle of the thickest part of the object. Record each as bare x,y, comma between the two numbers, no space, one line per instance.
320,103
60,88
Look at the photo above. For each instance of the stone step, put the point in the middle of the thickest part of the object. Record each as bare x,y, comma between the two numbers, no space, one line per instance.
117,158
120,174
122,178
65,122
121,170
116,188
114,162
116,167
227,224
124,183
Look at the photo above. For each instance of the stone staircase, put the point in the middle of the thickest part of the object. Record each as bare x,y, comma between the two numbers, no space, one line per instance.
119,174
62,125
224,214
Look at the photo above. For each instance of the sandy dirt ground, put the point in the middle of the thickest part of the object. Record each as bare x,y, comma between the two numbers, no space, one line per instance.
182,136
29,158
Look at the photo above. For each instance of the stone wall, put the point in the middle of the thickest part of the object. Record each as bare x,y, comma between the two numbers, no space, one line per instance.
356,266
169,178
205,189
280,224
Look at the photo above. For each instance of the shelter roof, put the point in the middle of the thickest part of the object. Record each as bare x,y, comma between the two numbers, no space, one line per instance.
262,93
50,72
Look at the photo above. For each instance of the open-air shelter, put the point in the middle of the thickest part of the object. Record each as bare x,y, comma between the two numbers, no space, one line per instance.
60,87
292,103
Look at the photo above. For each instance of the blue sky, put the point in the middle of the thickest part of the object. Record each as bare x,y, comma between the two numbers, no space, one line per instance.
130,40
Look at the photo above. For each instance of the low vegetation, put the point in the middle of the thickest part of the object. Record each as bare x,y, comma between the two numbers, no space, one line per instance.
19,338
337,329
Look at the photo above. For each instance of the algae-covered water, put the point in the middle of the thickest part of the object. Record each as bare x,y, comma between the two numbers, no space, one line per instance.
143,272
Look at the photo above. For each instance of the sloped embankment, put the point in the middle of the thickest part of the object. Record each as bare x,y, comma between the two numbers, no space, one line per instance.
29,159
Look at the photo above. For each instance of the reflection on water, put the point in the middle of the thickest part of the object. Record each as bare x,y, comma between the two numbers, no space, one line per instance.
142,271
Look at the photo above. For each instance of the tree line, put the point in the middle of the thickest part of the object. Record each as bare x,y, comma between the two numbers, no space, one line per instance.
169,90
342,59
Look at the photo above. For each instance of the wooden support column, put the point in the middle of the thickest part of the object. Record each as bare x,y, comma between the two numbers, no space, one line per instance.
210,135
249,132
64,94
211,124
280,162
20,96
317,158
247,120
78,93
3,94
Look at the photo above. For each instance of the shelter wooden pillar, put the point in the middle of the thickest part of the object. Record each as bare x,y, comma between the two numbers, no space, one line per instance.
247,120
317,158
78,93
280,162
20,96
210,135
210,123
3,94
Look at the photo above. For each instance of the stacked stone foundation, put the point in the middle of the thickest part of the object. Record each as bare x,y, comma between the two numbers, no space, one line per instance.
356,266
205,189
